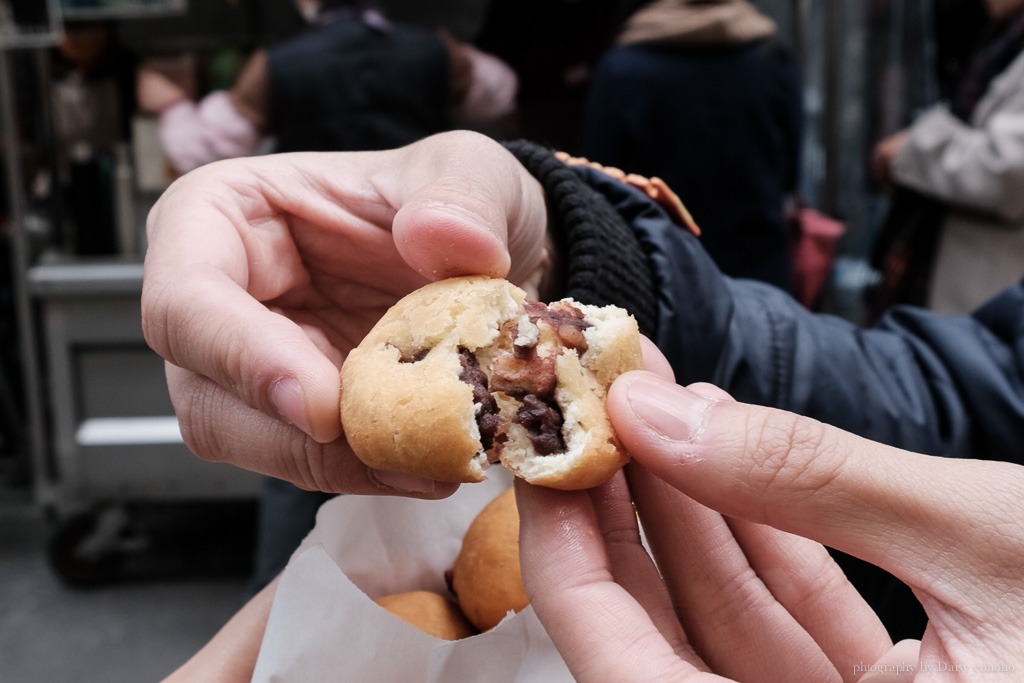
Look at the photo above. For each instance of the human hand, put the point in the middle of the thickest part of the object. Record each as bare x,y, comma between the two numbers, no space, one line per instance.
885,151
232,652
745,594
262,273
155,92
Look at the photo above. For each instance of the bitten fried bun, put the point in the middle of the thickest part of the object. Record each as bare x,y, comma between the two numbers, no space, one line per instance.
467,372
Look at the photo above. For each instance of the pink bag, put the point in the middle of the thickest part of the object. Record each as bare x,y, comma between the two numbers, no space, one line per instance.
815,244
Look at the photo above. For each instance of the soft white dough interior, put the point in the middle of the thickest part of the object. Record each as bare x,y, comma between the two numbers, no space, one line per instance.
528,332
605,327
481,461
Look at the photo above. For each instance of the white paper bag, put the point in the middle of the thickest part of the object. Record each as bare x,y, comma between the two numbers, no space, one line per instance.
324,625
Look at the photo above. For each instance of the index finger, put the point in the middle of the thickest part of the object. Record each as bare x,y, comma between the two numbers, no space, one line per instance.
909,513
219,248
229,237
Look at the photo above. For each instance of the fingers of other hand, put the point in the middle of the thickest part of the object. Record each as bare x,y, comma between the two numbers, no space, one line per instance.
924,519
805,580
231,654
571,583
219,427
732,618
797,573
756,464
631,565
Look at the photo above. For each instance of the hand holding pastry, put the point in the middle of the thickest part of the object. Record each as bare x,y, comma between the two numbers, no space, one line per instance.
300,256
735,501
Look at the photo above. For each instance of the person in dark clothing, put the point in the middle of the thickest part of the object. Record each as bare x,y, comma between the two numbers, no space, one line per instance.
553,46
392,87
92,86
948,385
704,96
353,81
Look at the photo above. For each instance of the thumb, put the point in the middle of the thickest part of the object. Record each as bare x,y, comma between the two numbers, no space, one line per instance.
908,513
467,207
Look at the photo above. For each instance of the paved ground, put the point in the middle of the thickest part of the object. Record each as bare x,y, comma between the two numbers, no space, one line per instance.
163,606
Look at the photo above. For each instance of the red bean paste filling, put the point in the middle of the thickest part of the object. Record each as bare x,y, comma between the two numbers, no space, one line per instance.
523,375
531,378
487,419
567,321
540,414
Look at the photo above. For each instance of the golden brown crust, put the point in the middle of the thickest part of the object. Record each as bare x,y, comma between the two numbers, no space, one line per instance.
406,408
410,417
417,416
486,576
430,612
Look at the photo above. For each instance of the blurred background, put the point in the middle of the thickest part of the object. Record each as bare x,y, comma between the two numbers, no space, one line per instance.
120,552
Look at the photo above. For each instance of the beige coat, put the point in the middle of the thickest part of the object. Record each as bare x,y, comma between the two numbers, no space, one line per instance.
978,169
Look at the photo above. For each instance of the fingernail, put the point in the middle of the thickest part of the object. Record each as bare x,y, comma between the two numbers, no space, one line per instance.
403,483
286,395
670,410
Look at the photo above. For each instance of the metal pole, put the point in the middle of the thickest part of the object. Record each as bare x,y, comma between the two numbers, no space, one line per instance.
20,257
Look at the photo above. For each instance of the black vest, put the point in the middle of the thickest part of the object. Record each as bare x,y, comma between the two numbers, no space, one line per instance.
347,86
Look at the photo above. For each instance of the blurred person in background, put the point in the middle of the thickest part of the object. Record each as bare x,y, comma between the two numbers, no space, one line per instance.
354,81
954,233
553,46
736,155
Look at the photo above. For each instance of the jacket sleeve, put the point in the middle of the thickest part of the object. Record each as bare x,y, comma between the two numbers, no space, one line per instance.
944,385
978,168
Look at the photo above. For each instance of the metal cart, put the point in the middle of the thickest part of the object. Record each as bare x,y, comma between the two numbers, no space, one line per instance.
101,430
114,437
